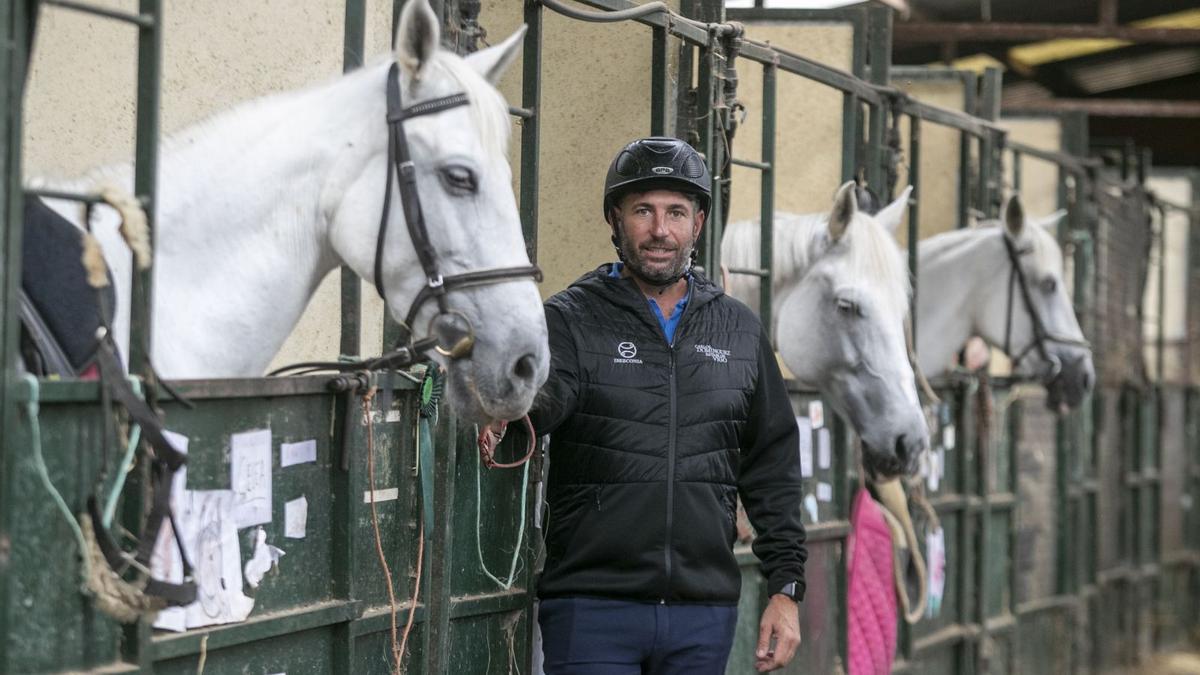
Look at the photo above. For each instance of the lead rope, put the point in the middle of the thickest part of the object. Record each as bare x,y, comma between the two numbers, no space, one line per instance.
487,442
397,645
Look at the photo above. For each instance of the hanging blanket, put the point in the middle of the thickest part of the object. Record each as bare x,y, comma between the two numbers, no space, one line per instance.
872,593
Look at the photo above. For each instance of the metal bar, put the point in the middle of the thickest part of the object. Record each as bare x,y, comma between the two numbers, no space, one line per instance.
751,164
145,179
879,47
353,41
659,101
176,645
990,144
14,53
531,95
47,193
994,31
970,89
1066,160
767,196
520,113
1016,171
914,222
1112,107
704,116
144,20
440,547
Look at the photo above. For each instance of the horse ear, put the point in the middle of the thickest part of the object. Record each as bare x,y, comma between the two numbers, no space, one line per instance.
891,215
1014,216
845,205
493,61
417,36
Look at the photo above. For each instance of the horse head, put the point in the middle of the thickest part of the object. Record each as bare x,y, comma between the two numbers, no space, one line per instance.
1028,313
462,176
840,329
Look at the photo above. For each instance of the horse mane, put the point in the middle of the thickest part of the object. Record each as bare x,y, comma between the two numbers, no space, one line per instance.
489,110
866,250
1046,252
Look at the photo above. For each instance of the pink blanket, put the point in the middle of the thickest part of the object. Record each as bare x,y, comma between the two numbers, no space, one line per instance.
872,594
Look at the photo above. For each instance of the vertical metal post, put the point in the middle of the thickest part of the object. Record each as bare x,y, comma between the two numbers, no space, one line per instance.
351,289
767,194
879,29
851,106
914,224
970,84
1016,171
659,94
145,177
14,51
531,99
989,144
708,146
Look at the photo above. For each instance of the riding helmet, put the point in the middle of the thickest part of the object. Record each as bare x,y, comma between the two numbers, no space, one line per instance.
657,163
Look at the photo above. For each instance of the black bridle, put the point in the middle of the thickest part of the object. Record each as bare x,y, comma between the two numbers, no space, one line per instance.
457,334
1041,335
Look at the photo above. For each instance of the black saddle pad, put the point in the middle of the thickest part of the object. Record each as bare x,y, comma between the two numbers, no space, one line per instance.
55,286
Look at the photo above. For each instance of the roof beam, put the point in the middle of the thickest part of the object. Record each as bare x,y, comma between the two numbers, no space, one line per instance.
1111,107
941,31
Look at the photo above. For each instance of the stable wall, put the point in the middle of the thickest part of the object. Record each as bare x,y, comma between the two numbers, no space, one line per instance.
808,123
940,155
1177,189
79,110
80,100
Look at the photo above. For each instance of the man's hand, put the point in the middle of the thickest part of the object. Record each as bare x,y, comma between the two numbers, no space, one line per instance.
778,634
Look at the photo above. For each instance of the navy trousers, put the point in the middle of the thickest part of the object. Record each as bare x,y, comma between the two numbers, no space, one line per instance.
590,636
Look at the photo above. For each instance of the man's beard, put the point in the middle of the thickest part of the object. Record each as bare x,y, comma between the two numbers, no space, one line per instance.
658,274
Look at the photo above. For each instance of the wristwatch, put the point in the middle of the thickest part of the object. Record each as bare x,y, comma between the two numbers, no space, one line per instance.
789,589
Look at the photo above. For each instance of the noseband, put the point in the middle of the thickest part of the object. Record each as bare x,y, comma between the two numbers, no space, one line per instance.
459,334
1041,335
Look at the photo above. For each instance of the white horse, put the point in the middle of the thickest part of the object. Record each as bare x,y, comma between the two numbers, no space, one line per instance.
969,285
840,290
259,203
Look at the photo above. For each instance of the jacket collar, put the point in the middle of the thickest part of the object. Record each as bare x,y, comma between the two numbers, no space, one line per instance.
625,292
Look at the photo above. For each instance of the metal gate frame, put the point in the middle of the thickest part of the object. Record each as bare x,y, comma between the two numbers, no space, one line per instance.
456,600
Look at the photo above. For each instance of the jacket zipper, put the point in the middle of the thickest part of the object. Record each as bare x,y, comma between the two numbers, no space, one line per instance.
671,453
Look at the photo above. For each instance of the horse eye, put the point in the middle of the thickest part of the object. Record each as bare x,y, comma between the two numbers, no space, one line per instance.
848,307
459,180
1049,285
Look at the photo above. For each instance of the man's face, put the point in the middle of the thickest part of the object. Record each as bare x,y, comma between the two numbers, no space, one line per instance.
657,232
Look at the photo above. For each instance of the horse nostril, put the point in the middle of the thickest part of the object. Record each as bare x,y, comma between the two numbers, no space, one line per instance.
525,367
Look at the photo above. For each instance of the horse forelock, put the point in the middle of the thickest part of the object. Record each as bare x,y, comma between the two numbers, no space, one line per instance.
869,254
488,109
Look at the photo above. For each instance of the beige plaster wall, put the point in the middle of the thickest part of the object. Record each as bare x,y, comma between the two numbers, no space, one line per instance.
940,147
595,99
1178,190
1039,178
79,106
808,125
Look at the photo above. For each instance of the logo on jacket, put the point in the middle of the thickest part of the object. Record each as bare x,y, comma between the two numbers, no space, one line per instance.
627,352
718,355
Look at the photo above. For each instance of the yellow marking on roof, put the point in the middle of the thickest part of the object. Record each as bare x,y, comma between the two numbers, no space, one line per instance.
1026,58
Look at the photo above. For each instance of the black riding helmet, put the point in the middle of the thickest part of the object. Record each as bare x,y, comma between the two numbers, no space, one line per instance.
657,163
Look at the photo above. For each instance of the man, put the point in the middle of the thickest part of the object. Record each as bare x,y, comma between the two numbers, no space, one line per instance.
664,403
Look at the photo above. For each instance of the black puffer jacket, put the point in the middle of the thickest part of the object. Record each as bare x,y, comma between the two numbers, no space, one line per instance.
651,443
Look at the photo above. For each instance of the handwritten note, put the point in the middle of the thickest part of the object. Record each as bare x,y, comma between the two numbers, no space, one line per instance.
823,449
816,412
806,450
250,477
297,453
165,562
824,492
295,518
